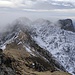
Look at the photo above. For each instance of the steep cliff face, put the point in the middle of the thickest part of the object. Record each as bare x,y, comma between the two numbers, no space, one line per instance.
67,24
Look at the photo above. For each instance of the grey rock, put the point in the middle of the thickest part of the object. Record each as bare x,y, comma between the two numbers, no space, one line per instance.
67,24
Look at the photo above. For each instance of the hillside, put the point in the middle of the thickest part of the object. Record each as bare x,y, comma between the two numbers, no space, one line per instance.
23,56
20,63
37,48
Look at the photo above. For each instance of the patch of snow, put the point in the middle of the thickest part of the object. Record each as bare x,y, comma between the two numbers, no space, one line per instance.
3,47
39,41
28,49
19,43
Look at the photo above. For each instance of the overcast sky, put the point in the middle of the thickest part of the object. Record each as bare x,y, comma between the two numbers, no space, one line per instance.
12,9
37,4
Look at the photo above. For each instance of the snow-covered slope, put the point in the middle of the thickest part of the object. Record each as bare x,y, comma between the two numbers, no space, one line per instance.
59,42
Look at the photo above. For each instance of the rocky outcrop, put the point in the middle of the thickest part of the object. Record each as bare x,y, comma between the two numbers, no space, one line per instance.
67,24
5,65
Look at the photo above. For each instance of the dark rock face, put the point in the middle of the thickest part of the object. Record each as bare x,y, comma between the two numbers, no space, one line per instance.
4,68
67,24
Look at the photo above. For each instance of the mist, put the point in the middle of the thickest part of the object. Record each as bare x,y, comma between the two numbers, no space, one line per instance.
8,17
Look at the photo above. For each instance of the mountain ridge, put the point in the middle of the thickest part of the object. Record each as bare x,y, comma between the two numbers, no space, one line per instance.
34,41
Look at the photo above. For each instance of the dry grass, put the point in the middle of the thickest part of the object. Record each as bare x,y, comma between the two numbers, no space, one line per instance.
50,73
21,68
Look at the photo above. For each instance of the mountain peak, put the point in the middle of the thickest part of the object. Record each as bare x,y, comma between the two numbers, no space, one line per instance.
67,24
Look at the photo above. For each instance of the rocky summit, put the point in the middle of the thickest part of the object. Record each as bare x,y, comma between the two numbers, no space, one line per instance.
67,24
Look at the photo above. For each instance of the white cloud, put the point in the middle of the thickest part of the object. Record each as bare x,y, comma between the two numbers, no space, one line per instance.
66,1
6,4
38,4
16,3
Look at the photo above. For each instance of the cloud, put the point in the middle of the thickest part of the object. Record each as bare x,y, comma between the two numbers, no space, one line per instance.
37,4
16,3
72,2
6,4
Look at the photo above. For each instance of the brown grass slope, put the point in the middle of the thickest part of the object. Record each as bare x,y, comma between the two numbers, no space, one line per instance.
20,63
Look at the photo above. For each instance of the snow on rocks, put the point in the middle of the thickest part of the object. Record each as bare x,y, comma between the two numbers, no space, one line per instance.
59,42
